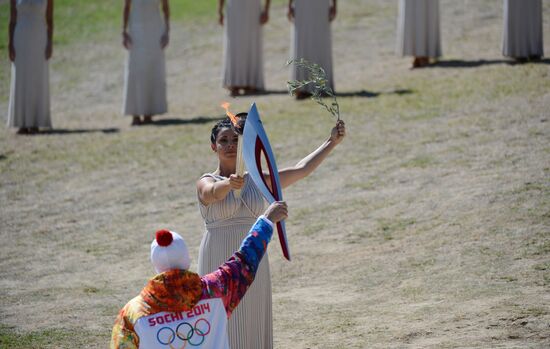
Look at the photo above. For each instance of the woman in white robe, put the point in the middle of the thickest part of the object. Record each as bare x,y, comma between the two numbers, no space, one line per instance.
225,216
522,35
30,47
145,35
311,37
418,33
242,20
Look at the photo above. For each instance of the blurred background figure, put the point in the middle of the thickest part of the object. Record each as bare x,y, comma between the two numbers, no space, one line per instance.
418,31
311,37
145,35
522,36
243,70
30,48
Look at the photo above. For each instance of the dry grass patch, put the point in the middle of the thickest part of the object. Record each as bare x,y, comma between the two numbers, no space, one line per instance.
428,227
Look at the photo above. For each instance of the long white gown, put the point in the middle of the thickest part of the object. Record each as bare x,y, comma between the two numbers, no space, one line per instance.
242,45
522,35
418,31
29,104
145,75
311,37
227,222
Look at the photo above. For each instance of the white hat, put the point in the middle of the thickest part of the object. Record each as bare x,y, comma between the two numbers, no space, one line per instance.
169,251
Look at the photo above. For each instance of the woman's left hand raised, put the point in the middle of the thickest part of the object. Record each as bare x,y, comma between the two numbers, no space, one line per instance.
338,132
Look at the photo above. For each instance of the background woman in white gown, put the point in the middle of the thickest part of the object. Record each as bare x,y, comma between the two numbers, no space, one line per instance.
418,30
311,37
243,68
30,47
522,36
145,35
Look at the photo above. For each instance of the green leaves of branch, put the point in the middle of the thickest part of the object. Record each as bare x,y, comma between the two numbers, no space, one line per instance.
319,84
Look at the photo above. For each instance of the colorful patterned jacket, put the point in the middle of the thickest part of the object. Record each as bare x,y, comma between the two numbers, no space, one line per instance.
179,309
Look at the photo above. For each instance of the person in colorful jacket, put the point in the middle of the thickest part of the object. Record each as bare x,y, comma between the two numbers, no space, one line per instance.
178,307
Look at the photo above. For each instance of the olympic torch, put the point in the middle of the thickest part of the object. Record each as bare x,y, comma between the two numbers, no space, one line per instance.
238,125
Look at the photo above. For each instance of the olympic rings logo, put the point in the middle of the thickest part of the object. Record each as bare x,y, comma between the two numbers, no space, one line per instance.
194,335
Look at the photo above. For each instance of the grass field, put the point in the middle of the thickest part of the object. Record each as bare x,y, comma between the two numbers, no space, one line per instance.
429,226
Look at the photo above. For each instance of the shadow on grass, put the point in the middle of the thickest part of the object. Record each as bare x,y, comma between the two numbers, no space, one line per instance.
64,131
273,92
263,93
372,94
362,93
194,121
457,63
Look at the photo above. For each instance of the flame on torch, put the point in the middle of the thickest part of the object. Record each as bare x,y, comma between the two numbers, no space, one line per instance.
232,117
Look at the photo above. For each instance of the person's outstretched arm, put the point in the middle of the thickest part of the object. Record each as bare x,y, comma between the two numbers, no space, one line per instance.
233,278
307,165
210,190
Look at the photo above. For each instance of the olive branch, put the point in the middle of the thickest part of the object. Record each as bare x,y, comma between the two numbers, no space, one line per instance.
318,82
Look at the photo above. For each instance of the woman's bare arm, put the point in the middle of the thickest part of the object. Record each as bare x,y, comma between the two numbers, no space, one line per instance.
264,17
221,4
126,39
290,11
307,165
49,23
13,22
211,191
332,11
165,39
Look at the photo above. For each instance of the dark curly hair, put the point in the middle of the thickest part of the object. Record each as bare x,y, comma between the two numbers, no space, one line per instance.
226,123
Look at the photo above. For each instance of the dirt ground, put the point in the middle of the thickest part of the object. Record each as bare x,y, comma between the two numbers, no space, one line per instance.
428,227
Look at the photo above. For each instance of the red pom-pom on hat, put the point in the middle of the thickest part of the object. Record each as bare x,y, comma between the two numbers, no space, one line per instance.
164,237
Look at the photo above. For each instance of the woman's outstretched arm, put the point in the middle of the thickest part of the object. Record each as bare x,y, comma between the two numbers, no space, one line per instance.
307,165
210,191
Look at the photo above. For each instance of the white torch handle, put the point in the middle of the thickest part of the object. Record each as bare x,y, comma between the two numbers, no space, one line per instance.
239,167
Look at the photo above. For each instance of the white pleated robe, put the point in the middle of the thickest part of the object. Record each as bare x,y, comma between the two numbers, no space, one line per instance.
227,222
242,45
311,37
418,32
29,104
522,35
145,74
